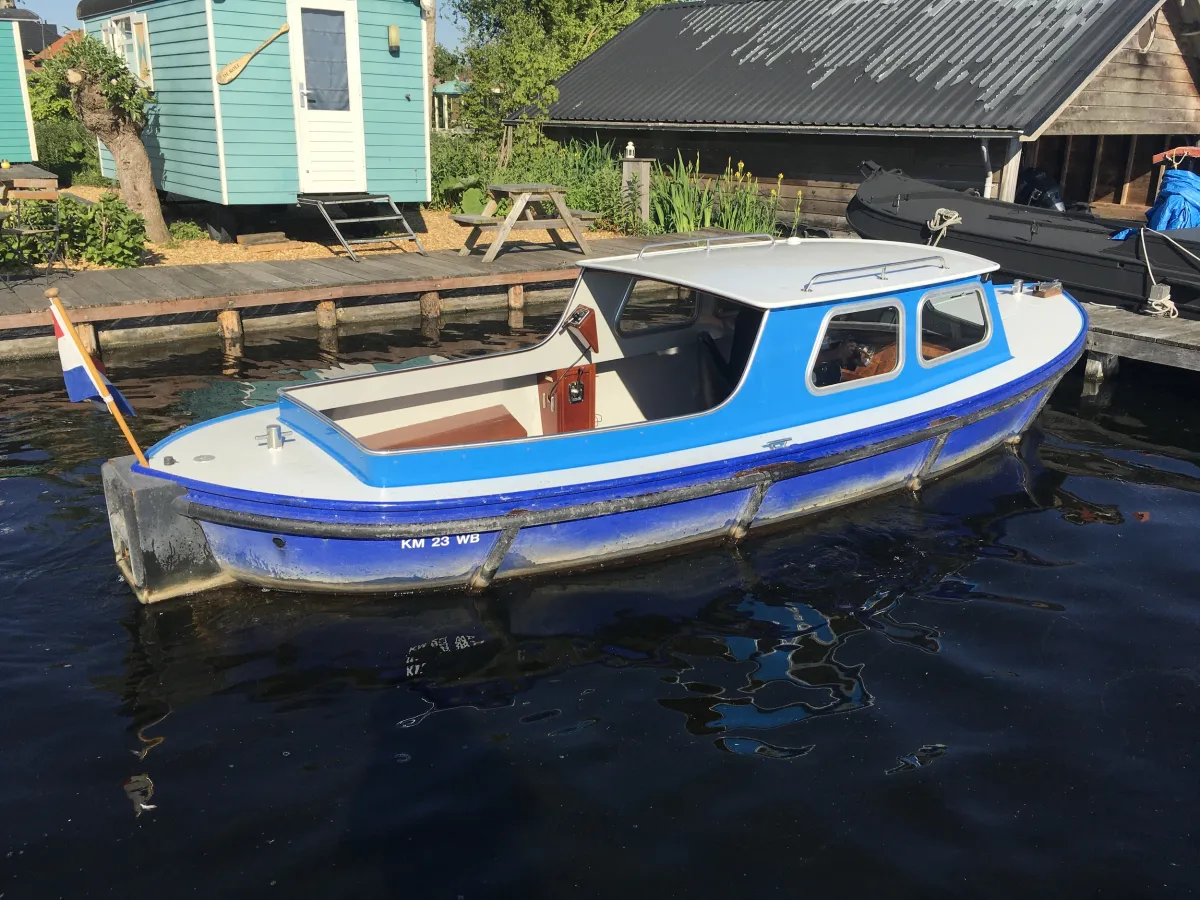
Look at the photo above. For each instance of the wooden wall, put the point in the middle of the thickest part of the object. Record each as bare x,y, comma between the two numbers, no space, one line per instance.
824,167
1152,92
1110,170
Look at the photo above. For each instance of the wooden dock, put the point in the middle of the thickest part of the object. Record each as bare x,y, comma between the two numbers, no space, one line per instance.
389,285
116,299
1118,333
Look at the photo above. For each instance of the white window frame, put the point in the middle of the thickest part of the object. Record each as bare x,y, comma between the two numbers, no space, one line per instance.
864,306
133,57
965,351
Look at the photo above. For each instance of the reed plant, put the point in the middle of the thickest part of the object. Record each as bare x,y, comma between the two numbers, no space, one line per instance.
681,199
741,205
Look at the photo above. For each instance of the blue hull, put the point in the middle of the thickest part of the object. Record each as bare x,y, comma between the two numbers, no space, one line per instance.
357,551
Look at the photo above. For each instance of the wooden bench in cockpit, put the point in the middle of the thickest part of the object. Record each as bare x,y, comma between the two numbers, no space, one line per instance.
478,426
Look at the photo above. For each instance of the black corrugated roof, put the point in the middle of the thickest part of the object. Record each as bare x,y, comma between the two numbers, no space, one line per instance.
984,65
88,9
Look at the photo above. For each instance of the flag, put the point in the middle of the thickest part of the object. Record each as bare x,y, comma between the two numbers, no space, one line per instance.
80,383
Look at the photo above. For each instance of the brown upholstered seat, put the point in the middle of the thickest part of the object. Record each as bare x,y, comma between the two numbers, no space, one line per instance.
479,426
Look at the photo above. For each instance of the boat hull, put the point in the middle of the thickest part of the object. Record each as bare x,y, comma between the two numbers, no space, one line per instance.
338,556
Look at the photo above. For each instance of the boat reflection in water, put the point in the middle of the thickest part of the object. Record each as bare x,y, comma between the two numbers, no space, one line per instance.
743,645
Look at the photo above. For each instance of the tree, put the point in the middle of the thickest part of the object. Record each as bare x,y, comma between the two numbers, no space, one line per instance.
517,48
446,63
112,105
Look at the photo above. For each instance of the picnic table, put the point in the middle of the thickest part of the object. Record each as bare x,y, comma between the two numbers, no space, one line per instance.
23,176
523,217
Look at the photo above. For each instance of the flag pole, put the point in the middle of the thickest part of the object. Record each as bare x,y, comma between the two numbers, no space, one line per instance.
52,296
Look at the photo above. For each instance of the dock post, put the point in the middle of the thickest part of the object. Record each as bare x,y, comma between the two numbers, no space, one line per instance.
229,326
431,316
516,306
431,305
89,338
516,296
327,315
1100,366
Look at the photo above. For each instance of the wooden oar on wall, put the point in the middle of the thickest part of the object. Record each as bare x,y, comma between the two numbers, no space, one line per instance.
234,69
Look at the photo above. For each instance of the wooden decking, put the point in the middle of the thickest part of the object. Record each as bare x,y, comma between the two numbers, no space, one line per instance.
1118,332
113,295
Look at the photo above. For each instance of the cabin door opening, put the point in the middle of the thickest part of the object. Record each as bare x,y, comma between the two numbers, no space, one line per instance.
327,81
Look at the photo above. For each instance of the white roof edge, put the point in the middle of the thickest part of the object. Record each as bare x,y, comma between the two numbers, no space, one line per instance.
743,272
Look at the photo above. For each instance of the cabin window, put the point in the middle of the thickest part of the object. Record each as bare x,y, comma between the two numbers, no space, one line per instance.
858,345
952,323
657,306
129,38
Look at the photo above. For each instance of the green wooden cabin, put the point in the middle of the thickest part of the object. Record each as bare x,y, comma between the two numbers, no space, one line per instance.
335,106
17,142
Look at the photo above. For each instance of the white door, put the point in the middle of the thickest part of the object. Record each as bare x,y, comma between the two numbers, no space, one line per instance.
327,78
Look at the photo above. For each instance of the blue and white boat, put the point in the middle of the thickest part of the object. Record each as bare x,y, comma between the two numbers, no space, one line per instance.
690,393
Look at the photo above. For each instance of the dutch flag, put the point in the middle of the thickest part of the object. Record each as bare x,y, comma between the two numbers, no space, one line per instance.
81,385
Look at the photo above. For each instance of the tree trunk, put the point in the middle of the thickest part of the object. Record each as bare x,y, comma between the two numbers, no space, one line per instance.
123,138
430,51
137,181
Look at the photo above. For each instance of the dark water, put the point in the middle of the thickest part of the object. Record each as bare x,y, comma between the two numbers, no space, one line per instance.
989,691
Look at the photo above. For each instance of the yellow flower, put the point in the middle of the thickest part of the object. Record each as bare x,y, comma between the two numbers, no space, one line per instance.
781,176
741,165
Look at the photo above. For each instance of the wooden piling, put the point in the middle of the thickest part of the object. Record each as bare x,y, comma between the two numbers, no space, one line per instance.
1100,366
516,297
89,339
229,326
327,317
431,305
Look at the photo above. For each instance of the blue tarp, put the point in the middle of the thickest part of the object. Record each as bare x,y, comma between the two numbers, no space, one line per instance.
1178,204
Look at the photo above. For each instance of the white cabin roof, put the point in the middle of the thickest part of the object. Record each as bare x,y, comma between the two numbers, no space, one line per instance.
774,274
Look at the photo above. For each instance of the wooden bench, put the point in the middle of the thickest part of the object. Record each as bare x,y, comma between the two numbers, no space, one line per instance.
519,225
478,426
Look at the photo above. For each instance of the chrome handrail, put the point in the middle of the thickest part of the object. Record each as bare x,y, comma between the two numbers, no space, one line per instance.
665,246
880,270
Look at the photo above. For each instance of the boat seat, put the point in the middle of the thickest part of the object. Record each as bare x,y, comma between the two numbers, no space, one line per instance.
480,426
883,362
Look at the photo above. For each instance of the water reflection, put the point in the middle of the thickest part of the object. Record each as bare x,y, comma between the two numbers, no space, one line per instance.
738,644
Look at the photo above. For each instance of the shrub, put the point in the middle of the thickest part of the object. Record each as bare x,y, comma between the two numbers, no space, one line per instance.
185,230
107,233
93,178
456,158
66,148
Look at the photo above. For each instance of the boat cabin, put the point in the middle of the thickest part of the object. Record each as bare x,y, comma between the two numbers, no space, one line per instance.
674,348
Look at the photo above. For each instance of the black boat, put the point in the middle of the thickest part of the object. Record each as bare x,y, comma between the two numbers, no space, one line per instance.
1035,244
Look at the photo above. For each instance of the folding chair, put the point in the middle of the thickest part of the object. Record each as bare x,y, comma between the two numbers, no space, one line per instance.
24,232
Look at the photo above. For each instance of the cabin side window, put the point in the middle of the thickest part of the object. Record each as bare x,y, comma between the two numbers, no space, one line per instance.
951,323
857,346
652,306
129,38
